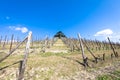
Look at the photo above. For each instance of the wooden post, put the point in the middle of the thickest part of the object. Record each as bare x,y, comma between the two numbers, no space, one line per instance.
112,47
71,44
117,54
9,53
17,41
4,42
11,43
96,58
104,57
83,54
20,69
23,64
111,55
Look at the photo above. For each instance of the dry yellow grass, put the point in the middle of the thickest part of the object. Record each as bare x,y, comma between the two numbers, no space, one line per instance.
49,66
55,66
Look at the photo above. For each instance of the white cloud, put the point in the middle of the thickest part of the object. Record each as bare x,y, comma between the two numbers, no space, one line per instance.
22,29
17,28
105,32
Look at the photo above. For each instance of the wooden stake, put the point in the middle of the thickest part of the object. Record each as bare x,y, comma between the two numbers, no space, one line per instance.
2,59
104,56
112,47
4,42
23,64
11,43
96,59
83,55
111,55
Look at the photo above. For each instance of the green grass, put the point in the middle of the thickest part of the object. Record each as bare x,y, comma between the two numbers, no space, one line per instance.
104,77
112,76
47,54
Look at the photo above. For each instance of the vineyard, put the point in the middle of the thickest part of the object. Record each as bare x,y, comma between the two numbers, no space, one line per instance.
59,58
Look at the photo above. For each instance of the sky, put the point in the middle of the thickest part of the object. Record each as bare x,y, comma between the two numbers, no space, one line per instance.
93,19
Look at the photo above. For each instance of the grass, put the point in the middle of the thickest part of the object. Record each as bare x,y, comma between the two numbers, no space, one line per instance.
45,65
47,54
52,66
104,77
56,66
112,76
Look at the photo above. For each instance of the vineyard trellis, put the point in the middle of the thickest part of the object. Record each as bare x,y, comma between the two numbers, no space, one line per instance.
79,45
83,54
21,62
90,46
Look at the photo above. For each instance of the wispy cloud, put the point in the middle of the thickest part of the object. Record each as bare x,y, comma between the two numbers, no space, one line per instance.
105,32
17,28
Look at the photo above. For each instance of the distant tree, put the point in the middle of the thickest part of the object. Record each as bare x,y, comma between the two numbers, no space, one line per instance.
59,34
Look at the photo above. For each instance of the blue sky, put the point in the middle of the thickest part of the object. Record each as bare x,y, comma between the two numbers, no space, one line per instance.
93,19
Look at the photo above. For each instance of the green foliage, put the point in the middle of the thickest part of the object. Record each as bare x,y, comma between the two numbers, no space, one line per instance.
112,76
59,34
104,77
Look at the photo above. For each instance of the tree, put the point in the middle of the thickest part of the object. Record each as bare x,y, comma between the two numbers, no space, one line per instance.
59,34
